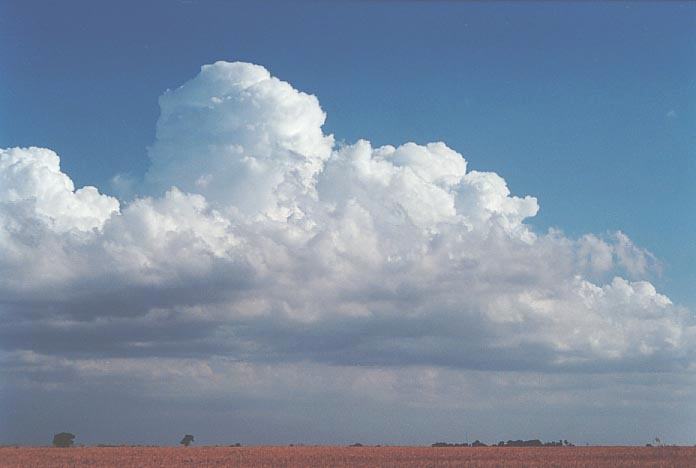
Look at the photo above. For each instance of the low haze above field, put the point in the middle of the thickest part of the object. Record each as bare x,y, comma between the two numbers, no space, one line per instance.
387,222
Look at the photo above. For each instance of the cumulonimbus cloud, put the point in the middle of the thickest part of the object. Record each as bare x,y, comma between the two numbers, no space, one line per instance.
257,237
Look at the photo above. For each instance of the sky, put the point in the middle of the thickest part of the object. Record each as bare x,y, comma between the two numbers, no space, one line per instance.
385,222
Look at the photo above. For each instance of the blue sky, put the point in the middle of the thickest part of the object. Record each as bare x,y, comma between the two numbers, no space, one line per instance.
588,106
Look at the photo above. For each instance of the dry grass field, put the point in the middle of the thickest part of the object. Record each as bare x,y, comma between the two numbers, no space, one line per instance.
348,456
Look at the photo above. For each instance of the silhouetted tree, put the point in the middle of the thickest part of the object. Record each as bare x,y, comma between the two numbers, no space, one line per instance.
186,441
63,439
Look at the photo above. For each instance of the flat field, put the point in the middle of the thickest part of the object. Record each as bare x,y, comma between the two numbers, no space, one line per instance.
324,456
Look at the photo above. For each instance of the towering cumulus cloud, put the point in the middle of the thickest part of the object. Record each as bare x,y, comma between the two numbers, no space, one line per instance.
259,250
242,138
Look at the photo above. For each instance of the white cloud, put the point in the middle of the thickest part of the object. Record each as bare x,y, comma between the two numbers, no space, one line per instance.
241,138
599,255
32,177
595,255
162,239
261,240
637,261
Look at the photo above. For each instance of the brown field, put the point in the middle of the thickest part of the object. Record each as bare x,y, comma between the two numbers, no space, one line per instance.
324,456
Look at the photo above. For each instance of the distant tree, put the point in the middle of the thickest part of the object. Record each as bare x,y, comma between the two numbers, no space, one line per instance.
186,441
63,439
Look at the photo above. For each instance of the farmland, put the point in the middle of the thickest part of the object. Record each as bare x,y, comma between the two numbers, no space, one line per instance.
325,456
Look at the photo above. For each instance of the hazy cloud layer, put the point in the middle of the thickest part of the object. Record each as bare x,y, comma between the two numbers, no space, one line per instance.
258,246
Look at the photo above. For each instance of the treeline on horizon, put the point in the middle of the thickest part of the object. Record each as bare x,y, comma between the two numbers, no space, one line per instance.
509,443
67,439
